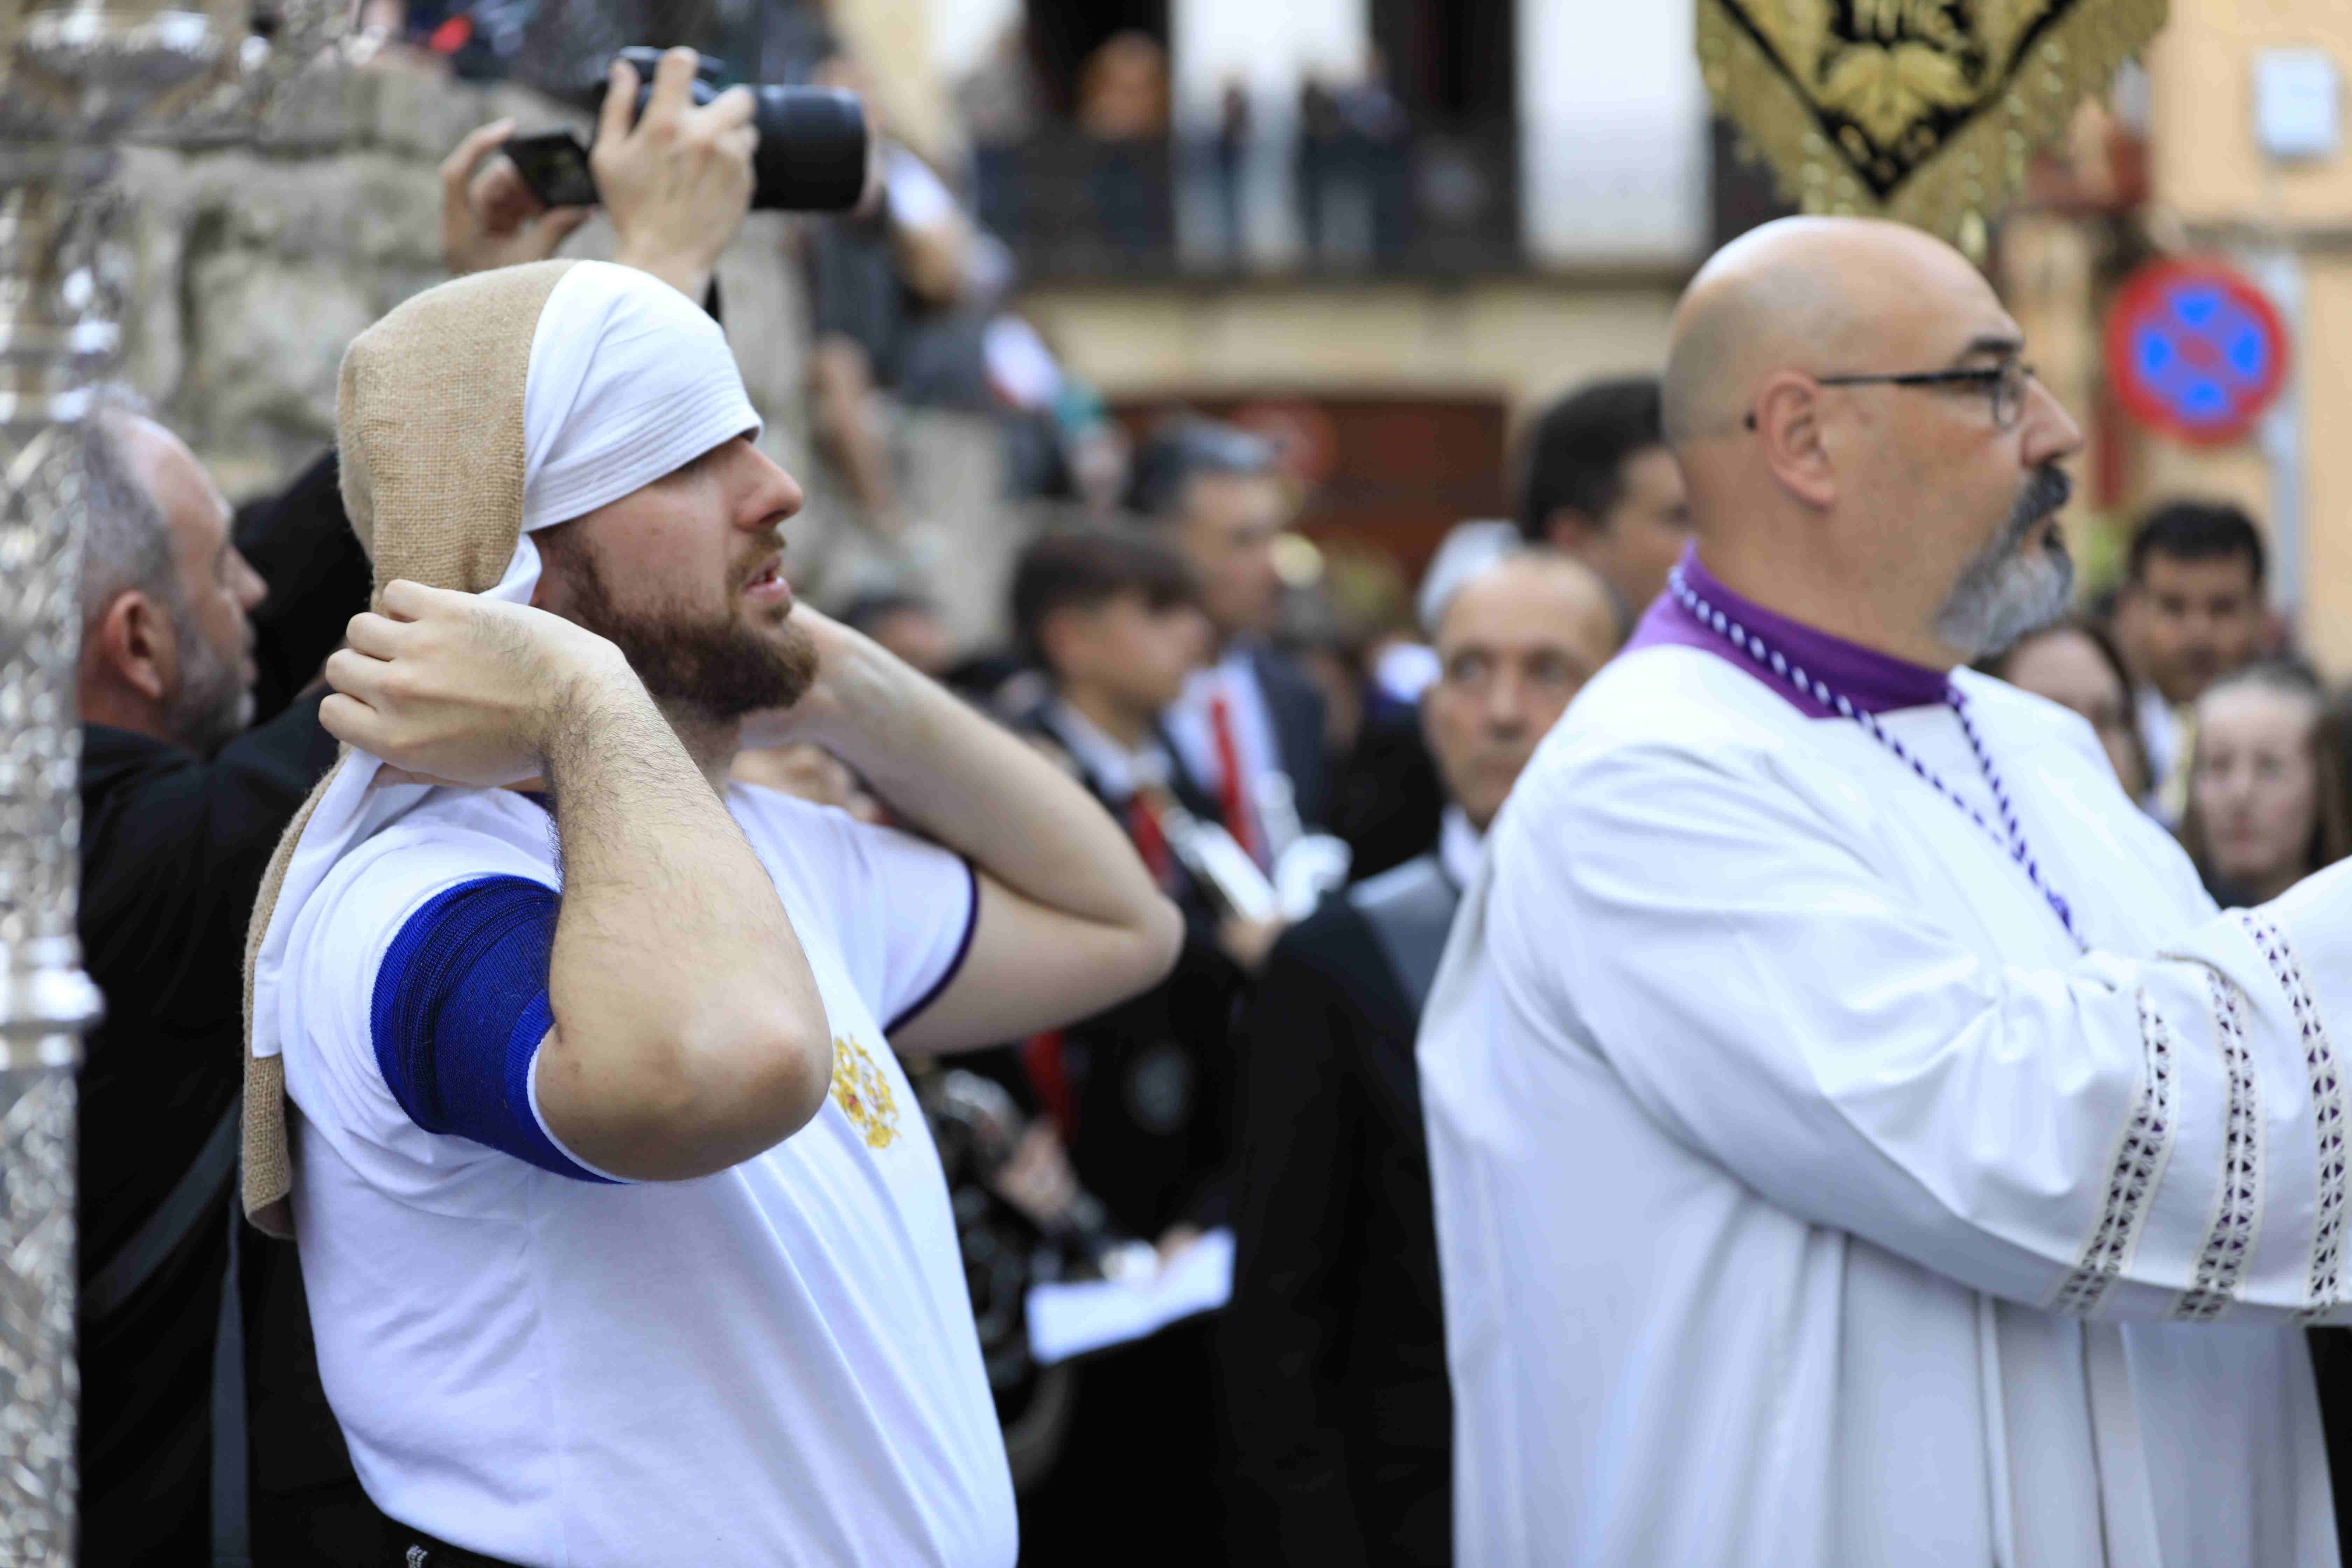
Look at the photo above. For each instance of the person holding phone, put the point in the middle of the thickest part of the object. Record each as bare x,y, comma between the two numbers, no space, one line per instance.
676,180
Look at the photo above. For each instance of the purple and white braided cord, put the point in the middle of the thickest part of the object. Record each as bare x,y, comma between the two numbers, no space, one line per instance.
2010,836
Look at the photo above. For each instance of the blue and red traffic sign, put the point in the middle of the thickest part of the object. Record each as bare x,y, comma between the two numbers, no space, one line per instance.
2195,350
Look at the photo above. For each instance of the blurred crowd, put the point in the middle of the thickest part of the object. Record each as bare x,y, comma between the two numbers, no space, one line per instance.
2211,718
1303,748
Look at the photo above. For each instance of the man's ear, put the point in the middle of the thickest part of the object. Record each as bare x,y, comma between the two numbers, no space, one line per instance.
1788,423
136,645
1568,527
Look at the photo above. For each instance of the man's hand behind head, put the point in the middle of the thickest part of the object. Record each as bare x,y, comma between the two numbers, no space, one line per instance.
462,689
679,180
489,216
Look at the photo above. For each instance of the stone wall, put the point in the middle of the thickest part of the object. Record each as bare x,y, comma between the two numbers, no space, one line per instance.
257,263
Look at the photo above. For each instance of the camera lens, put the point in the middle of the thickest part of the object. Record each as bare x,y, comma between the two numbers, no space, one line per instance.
812,155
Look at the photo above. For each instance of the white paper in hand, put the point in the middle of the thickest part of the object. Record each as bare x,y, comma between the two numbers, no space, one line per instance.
1065,1320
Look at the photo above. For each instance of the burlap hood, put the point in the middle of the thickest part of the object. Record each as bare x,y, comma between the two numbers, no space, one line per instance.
429,428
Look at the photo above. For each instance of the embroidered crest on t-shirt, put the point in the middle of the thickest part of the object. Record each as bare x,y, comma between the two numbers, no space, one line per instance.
863,1092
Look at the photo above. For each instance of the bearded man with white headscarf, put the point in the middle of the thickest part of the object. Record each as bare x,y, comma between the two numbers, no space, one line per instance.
1856,1137
624,1240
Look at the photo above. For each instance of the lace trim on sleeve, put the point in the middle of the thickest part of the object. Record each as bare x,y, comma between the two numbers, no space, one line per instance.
2237,1209
2327,1108
2145,1147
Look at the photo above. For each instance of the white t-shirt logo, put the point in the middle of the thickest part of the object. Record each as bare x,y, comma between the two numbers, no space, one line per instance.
864,1094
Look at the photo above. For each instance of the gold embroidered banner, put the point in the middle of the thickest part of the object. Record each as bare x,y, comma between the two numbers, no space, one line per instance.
1924,110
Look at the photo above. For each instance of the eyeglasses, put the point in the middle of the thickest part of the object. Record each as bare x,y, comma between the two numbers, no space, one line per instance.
2002,384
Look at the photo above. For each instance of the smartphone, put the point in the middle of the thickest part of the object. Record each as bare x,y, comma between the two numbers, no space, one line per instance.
554,167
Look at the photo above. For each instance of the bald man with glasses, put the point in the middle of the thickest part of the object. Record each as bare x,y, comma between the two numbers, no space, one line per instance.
1855,1137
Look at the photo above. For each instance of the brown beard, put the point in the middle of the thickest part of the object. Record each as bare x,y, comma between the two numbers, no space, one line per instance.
721,666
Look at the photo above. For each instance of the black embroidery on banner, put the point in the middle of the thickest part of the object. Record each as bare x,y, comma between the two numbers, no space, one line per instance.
1889,83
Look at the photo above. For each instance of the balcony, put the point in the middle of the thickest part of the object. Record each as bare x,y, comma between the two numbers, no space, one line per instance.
1420,204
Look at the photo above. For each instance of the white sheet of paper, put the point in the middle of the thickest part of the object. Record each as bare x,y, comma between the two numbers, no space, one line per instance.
1065,1320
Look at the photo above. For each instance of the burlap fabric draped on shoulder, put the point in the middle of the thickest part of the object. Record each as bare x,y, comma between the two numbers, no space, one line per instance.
430,425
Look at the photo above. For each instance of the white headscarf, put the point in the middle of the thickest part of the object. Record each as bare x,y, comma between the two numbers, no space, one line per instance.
628,381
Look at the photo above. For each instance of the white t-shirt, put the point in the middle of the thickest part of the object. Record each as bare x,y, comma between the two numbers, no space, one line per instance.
772,1364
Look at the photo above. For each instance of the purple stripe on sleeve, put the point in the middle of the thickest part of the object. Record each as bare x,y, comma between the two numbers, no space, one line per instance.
955,965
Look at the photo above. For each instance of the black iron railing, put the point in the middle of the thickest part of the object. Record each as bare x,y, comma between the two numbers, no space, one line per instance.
1422,201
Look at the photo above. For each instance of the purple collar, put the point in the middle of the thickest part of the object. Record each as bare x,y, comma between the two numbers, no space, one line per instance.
1875,683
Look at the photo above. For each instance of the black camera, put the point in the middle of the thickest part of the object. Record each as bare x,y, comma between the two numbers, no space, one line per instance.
812,156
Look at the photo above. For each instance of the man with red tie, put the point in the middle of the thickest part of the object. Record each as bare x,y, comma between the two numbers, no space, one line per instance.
1249,727
1144,1093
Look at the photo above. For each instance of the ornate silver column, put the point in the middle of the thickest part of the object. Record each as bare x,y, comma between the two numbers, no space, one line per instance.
74,79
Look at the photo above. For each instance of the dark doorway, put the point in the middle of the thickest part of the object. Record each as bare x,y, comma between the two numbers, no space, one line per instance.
1062,33
1450,62
1452,66
1387,473
1741,190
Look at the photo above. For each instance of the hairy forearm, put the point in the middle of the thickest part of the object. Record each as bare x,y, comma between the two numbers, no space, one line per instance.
689,1032
976,788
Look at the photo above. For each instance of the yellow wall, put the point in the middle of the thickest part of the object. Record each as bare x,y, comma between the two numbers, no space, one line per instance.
893,39
2213,192
1522,340
2205,165
2326,621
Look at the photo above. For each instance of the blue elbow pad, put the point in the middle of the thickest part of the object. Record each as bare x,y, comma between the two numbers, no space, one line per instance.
459,1009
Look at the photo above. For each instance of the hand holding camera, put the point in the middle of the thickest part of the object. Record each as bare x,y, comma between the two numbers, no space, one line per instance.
675,175
679,181
676,160
489,217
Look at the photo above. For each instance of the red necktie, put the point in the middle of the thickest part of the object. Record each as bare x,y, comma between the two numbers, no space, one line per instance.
1143,828
1231,795
1049,1074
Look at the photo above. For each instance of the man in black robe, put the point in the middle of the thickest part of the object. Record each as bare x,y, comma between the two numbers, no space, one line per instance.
181,806
1333,1350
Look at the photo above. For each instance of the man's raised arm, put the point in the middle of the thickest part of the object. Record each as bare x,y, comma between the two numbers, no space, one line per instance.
688,1035
676,183
1069,921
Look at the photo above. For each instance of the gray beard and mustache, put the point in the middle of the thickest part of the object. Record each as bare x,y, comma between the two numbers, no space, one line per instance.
2011,588
212,705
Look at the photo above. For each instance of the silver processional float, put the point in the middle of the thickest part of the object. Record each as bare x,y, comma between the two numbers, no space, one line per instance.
76,81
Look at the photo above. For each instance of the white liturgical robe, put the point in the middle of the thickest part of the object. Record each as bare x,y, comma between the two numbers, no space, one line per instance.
1805,1196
